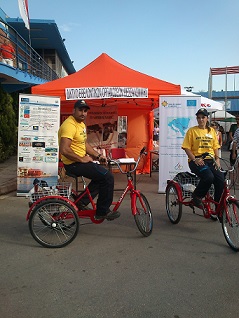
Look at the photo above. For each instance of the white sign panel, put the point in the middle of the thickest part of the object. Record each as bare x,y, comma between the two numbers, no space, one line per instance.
101,124
177,114
39,118
105,92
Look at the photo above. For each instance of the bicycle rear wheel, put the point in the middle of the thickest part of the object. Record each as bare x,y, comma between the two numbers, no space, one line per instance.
53,223
230,224
143,217
173,206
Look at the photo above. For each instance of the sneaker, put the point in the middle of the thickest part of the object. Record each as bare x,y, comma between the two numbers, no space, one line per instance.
197,202
111,215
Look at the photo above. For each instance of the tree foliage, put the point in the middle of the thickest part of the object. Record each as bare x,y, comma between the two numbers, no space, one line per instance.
8,126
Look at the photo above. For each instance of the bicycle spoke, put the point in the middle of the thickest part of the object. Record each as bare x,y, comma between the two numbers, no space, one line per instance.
143,217
53,223
173,206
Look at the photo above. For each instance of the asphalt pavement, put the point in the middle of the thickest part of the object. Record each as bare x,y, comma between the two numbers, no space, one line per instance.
110,270
8,175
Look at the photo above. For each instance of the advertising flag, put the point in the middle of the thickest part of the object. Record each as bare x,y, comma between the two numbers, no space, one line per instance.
23,8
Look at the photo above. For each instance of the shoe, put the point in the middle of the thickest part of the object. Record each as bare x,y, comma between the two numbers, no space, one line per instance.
81,206
111,215
197,202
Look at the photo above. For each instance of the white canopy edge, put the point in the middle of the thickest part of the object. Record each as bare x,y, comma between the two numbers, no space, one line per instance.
210,104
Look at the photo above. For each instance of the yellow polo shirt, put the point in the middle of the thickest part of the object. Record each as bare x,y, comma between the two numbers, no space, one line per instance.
200,141
76,132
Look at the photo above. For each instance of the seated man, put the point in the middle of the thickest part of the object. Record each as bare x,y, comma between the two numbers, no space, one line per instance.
77,156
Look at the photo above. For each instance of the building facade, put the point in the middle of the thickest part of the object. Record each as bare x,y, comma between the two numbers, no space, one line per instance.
39,55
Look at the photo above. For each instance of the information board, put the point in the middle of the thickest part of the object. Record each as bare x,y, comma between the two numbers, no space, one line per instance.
39,119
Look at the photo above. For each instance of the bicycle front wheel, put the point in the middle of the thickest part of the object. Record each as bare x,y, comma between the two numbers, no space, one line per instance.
53,223
233,177
173,206
230,224
143,217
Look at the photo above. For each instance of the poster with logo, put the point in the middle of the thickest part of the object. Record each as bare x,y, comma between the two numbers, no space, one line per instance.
177,114
101,126
39,118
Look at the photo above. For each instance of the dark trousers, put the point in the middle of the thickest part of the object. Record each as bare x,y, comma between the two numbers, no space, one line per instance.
208,175
102,183
232,161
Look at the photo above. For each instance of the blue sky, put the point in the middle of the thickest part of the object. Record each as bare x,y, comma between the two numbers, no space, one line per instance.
176,41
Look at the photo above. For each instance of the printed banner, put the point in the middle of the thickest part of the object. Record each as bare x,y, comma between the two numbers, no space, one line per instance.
102,135
39,118
177,114
105,92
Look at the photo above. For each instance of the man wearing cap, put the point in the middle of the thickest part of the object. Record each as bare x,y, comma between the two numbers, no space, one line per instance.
198,140
77,156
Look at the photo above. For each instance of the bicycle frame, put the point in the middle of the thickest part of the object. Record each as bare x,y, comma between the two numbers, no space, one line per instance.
208,211
133,194
129,188
179,192
90,213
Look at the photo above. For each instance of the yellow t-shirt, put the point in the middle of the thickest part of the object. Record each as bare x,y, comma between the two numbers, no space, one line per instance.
200,141
76,132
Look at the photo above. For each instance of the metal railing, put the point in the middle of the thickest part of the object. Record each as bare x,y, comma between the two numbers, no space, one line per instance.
26,58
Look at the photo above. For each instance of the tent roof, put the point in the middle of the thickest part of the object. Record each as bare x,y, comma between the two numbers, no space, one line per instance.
107,72
210,104
223,116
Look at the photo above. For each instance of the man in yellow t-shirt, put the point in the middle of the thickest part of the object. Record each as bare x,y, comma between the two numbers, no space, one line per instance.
77,156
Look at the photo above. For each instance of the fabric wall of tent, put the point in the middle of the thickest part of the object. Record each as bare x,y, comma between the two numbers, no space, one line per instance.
104,83
223,116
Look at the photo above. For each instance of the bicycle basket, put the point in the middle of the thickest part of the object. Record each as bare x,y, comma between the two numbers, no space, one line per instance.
60,189
188,182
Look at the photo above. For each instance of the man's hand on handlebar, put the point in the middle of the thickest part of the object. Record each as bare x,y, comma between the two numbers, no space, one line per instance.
103,160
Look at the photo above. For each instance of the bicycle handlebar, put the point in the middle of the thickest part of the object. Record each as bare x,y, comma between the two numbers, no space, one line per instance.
207,154
142,152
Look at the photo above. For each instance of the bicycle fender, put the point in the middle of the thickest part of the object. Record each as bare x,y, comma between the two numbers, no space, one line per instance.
178,188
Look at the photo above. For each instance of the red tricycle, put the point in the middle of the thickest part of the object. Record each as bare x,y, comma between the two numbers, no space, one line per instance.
179,193
54,217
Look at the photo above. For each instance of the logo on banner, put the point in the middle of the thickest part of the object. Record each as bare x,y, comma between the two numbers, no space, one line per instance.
178,166
166,104
205,105
191,102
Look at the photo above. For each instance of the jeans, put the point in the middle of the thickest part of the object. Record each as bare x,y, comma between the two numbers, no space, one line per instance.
208,175
101,184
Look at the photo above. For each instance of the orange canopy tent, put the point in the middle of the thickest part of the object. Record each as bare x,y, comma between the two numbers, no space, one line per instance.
105,82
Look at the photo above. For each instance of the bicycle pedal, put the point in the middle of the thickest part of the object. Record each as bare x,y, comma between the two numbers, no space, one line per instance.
191,206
